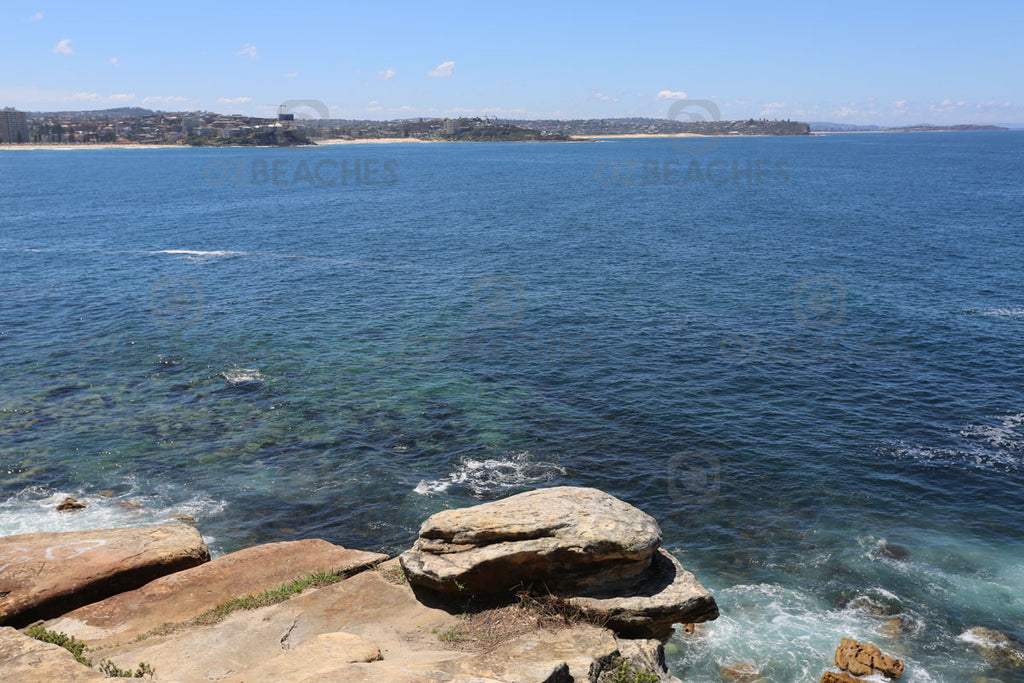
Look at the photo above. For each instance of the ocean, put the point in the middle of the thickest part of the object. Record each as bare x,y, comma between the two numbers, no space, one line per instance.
802,356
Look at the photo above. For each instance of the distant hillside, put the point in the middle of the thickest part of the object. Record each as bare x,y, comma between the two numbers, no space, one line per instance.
823,126
94,114
648,126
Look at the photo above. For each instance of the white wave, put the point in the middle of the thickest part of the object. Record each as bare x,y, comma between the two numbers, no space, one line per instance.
1014,312
191,252
483,477
785,633
34,510
237,376
994,445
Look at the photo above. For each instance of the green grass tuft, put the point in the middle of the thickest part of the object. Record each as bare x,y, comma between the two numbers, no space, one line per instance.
69,643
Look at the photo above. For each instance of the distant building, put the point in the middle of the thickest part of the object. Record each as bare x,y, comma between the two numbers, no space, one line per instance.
13,125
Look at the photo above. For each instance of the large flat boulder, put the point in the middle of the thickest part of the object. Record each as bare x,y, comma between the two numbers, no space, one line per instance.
559,538
45,575
187,594
666,594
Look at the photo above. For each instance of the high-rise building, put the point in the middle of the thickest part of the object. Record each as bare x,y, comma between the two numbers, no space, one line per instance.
13,125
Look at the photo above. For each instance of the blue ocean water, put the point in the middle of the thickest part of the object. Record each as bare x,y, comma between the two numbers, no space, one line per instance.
792,352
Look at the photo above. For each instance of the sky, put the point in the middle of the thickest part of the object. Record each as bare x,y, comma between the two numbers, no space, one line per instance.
894,63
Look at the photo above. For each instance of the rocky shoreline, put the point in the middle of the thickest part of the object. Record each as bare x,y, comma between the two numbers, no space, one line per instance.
549,586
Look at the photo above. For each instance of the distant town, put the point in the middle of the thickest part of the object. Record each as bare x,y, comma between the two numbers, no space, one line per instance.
138,126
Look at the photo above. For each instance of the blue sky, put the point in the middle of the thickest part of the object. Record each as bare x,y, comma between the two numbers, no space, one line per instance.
866,62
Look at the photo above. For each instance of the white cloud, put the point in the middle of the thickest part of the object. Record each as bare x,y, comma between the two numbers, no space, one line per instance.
234,100
170,99
292,74
91,96
601,96
63,47
112,61
248,50
38,16
388,73
122,97
443,70
670,95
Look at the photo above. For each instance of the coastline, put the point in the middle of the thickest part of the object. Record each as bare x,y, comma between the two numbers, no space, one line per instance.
85,145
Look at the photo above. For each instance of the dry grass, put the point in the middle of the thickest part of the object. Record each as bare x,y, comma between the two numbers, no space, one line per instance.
485,629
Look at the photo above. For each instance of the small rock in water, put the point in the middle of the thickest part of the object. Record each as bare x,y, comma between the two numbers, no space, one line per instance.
129,505
742,673
997,647
861,659
896,552
69,503
833,677
105,494
184,518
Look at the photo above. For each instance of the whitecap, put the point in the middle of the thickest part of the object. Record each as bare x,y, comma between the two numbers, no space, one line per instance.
488,476
238,376
34,510
202,254
1013,312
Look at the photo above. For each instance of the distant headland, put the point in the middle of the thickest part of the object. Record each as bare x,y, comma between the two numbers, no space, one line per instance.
136,127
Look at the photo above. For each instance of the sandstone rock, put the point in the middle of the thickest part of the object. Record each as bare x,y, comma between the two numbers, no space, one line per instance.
647,654
741,673
667,594
69,503
559,538
861,658
316,659
997,647
832,677
186,594
27,659
49,574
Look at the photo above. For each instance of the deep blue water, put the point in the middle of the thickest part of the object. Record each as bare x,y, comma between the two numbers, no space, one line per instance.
793,352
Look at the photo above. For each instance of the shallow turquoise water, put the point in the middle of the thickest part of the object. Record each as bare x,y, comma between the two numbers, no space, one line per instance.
788,367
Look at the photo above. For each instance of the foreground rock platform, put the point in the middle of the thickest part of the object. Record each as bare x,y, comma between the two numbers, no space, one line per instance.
562,538
582,544
48,574
26,659
187,594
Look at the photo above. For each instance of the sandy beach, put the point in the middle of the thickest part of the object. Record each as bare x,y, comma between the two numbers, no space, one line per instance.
367,141
627,136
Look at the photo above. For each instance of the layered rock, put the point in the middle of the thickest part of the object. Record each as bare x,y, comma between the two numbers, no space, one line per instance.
562,537
665,595
596,550
48,574
186,594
